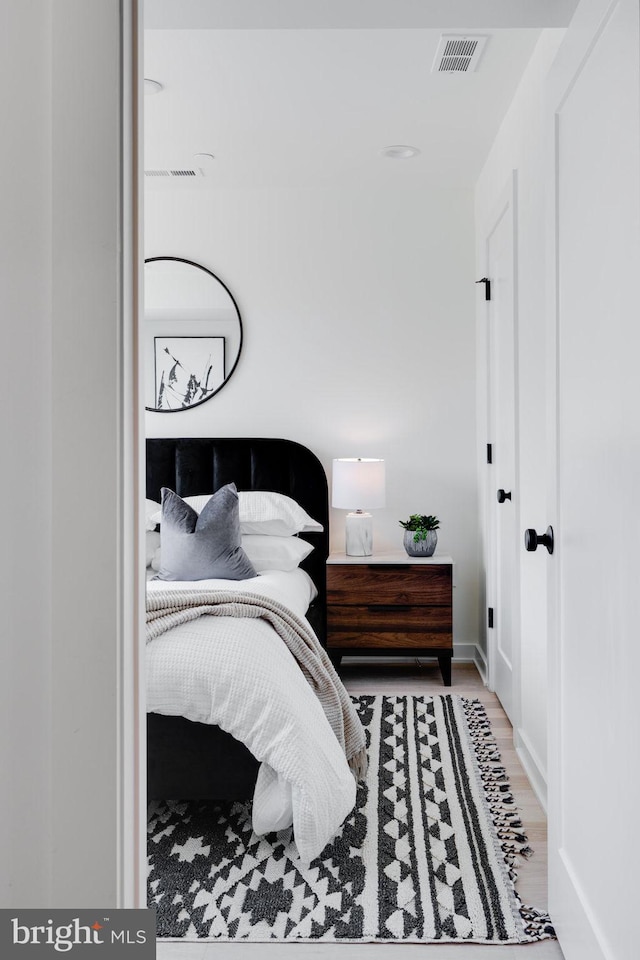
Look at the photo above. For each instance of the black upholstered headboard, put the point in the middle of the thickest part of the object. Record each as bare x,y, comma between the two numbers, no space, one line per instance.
203,465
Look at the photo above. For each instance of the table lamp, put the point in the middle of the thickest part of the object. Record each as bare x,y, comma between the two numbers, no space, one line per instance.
358,486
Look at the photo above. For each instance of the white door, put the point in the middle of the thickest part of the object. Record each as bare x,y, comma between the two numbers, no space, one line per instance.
594,505
502,500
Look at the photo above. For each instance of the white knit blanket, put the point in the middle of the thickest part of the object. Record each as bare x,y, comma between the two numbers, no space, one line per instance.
248,664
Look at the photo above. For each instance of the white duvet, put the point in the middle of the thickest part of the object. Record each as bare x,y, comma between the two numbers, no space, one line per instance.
238,674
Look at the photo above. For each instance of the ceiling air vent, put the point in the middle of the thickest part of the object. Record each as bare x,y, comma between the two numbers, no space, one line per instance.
173,173
458,54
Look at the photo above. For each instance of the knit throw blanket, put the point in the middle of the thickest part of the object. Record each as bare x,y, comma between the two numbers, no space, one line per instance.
168,608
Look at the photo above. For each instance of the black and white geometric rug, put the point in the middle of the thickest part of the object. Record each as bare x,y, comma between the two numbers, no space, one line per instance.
427,854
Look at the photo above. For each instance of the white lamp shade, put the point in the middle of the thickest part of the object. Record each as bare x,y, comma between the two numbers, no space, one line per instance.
358,484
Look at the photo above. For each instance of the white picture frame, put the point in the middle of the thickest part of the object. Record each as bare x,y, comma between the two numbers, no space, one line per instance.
188,370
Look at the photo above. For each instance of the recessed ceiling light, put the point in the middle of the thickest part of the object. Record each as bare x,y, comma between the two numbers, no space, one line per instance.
203,157
400,151
151,86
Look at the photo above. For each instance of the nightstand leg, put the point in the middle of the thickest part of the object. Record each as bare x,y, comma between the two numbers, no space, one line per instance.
336,658
444,659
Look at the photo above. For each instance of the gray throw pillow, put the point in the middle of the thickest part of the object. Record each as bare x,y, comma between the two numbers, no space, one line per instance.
205,546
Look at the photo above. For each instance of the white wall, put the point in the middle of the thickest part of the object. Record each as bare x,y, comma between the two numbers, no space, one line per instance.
358,312
68,557
519,146
25,574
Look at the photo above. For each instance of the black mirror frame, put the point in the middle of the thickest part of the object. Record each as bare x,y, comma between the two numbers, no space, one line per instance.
199,266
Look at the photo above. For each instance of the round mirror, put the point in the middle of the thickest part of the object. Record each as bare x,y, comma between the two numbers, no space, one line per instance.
192,334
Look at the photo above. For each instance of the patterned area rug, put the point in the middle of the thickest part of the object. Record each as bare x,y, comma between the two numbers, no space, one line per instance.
427,854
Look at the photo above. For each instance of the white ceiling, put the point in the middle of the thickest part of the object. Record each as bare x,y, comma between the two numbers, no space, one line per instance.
286,106
313,14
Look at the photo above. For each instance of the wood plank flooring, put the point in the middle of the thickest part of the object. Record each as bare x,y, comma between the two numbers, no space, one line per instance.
419,678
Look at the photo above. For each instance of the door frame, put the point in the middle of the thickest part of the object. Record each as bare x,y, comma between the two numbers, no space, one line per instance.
507,200
91,785
132,740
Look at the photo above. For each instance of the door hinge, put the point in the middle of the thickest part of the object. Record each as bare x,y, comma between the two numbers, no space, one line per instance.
490,617
487,287
489,453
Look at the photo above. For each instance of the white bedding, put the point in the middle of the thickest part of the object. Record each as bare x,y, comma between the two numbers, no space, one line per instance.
294,588
240,675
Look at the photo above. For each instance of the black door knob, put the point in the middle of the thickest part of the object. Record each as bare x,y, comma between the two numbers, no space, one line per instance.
503,495
532,539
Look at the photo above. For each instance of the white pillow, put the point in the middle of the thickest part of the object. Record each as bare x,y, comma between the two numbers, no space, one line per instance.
152,544
275,553
152,508
265,553
263,513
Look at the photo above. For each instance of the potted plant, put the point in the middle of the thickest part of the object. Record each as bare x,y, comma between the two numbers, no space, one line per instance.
420,537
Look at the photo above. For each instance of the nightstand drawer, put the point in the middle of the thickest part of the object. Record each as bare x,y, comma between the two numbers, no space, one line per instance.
392,606
389,618
381,641
388,584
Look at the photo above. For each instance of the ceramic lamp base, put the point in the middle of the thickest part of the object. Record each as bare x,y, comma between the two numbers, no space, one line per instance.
359,535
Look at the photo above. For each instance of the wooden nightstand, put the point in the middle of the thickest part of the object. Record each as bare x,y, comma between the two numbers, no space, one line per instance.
390,603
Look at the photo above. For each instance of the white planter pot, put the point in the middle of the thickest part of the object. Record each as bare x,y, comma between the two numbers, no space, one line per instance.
420,548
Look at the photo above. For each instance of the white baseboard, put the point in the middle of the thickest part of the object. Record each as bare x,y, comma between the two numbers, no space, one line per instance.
462,653
480,660
532,766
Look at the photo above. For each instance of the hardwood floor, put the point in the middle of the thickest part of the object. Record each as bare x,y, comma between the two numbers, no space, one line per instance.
420,678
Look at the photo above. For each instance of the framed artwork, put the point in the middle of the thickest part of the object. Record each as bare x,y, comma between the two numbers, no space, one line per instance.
188,370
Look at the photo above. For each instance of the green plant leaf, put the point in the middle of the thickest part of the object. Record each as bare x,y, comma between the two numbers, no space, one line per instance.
420,523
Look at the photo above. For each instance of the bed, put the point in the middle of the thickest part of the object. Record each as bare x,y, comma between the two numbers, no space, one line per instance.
192,760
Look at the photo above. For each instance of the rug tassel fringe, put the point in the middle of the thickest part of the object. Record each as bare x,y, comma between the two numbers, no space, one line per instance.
506,819
538,924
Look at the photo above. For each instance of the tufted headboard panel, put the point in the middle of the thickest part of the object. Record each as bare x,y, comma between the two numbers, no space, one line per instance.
202,465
